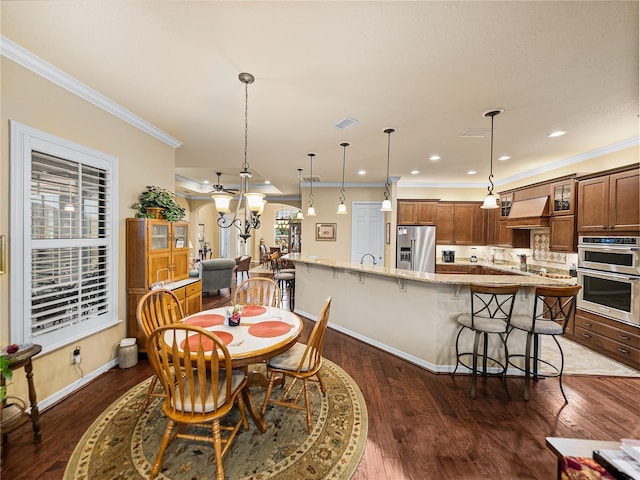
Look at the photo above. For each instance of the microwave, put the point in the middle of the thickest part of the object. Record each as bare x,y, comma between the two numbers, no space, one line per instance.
610,254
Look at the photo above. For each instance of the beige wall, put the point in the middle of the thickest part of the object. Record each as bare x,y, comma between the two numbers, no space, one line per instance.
38,103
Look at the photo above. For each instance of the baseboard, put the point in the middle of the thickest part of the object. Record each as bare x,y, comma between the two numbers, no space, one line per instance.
68,390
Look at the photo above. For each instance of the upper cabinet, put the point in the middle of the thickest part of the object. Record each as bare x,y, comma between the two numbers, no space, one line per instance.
417,212
563,197
506,200
460,223
609,203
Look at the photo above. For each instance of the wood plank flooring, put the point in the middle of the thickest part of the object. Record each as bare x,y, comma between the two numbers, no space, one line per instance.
421,425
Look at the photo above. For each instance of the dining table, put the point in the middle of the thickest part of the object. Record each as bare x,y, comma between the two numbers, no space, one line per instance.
263,332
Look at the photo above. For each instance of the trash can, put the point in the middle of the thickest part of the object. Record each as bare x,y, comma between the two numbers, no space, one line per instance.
127,353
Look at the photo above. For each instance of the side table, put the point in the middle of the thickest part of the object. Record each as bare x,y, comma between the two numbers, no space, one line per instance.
575,447
22,358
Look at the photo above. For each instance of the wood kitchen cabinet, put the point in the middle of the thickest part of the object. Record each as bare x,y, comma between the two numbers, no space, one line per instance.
158,250
505,202
499,235
460,223
562,233
610,202
417,212
617,340
562,197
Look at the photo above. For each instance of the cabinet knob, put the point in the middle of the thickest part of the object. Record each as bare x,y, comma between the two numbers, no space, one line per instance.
587,325
586,335
624,337
622,350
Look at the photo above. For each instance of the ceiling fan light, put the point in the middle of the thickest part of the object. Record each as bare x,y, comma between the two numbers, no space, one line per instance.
490,202
386,206
342,209
222,201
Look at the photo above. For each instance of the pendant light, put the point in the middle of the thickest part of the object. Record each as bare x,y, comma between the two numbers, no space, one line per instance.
299,215
311,211
386,204
342,208
491,201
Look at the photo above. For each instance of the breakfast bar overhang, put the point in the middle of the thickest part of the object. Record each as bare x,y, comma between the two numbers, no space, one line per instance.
409,314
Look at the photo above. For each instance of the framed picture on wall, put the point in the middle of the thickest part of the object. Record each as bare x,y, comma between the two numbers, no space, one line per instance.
326,231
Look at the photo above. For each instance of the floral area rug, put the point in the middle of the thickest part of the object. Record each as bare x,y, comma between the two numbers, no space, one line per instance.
123,443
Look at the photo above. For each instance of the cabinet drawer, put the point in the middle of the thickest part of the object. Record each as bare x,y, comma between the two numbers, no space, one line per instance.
180,293
622,336
452,269
194,288
600,343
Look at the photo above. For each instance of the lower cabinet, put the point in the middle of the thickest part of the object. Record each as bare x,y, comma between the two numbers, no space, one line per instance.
452,268
189,295
617,340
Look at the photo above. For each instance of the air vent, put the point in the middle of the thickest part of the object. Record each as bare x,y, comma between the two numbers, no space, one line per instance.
307,178
346,122
476,132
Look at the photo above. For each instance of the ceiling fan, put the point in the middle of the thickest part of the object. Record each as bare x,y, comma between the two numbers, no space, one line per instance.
218,187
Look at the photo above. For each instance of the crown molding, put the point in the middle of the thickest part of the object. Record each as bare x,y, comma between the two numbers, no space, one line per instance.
27,59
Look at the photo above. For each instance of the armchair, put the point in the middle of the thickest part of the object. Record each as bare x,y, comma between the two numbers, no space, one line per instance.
243,265
217,273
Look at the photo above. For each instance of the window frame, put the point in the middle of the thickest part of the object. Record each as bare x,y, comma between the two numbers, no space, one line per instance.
23,141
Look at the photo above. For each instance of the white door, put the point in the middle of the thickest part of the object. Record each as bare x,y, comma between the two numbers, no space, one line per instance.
367,232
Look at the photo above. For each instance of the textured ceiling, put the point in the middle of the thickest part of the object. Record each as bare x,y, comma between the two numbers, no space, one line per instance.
428,69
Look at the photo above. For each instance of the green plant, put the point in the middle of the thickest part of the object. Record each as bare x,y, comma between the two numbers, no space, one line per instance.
159,197
5,372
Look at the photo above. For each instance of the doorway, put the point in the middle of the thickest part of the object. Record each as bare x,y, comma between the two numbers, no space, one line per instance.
367,231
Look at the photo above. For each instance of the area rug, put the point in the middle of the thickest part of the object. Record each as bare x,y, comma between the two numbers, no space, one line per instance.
122,443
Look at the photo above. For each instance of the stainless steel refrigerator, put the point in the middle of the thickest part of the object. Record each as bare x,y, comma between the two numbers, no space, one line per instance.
416,248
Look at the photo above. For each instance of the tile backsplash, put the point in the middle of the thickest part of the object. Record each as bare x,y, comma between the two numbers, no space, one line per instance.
540,247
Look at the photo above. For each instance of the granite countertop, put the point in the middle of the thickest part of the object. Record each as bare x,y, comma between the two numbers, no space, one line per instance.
522,279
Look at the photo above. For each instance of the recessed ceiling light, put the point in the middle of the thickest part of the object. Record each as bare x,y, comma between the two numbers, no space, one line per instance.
415,172
206,182
471,172
434,157
557,133
267,182
504,157
362,172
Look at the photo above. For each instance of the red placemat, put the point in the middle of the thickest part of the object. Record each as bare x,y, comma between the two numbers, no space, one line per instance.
252,310
194,340
205,320
271,328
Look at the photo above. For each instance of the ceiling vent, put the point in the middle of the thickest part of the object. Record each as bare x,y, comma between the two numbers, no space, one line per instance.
475,132
307,178
346,122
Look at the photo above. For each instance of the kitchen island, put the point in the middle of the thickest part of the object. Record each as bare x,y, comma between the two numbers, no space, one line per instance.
409,314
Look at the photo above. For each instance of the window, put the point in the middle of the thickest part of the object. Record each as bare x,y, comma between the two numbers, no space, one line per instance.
63,284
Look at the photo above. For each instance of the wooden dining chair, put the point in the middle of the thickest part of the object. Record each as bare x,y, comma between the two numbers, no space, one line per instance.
157,308
257,291
200,388
301,362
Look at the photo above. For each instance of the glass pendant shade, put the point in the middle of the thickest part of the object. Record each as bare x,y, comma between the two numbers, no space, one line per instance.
311,212
222,201
386,206
299,215
342,209
254,201
490,202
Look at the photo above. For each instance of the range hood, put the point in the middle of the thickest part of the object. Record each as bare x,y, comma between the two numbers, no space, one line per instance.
530,213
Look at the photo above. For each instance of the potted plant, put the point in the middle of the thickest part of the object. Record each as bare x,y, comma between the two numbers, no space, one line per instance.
7,373
156,202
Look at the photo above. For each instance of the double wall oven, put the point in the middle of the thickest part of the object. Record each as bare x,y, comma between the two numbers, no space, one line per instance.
609,272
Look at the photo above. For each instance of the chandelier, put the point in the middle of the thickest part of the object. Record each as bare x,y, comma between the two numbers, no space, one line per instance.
250,204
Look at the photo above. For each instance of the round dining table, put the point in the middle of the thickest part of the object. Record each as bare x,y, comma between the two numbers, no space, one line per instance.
263,332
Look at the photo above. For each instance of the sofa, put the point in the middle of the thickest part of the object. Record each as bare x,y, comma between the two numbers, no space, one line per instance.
216,273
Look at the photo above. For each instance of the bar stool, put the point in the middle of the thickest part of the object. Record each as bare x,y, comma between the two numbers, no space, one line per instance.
491,308
552,309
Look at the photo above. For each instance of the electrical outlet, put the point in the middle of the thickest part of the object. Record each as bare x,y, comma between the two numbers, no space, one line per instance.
75,356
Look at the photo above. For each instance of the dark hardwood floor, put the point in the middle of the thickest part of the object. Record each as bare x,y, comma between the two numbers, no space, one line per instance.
421,425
